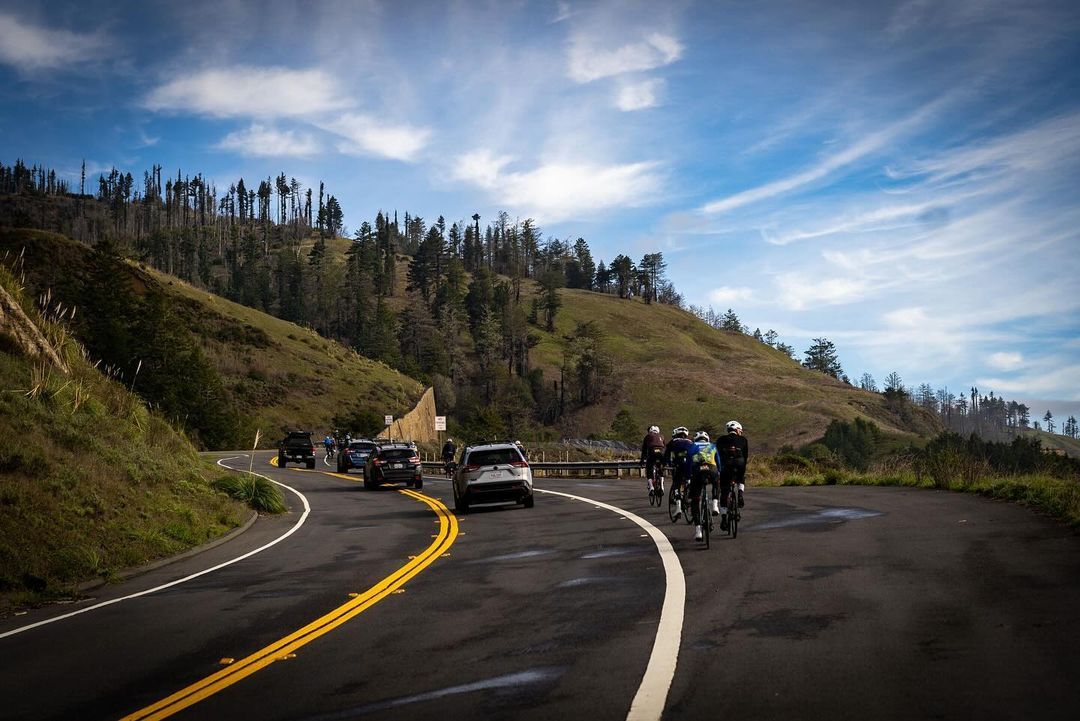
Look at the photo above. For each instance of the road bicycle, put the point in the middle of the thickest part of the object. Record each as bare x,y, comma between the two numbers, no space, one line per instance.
705,514
676,502
656,486
733,515
450,468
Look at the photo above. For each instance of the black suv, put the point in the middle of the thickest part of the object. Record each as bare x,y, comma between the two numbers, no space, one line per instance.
393,462
355,455
298,448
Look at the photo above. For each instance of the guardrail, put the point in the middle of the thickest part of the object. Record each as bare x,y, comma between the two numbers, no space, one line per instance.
571,469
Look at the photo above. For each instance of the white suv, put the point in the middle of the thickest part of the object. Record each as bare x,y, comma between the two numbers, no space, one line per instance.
492,473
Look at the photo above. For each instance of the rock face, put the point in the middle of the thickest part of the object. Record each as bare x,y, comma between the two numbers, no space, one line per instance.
419,423
20,333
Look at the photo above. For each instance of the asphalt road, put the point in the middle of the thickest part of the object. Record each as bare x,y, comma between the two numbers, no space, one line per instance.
833,603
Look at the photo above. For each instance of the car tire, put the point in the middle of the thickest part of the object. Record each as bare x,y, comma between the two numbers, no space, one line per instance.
418,483
461,505
311,464
529,501
281,461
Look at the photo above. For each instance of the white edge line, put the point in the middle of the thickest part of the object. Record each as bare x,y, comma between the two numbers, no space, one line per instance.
648,703
249,554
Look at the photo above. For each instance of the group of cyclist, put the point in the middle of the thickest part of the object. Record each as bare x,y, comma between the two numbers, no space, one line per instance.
335,441
696,463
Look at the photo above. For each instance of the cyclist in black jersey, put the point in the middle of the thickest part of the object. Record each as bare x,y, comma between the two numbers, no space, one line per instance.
678,450
734,450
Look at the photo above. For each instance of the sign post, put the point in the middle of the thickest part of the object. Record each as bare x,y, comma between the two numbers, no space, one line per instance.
440,426
389,421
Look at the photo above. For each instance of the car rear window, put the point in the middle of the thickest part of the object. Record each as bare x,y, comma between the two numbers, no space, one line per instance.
397,454
493,457
361,446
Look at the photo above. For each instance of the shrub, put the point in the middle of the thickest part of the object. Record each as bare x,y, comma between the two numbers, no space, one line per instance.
256,491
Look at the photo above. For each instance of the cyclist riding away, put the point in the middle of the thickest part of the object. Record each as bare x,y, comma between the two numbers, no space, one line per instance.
705,464
734,451
448,451
328,443
652,452
677,454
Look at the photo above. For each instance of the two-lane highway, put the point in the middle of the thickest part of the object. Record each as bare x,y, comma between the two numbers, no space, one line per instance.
832,603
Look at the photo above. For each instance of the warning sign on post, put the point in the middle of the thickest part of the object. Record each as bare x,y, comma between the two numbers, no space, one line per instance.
387,420
440,423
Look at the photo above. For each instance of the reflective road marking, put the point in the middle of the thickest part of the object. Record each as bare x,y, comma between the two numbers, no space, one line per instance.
648,703
448,531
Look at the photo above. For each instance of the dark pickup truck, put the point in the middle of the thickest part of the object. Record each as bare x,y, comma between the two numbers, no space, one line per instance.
298,448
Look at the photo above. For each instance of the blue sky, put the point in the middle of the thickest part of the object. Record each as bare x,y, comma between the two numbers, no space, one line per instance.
899,178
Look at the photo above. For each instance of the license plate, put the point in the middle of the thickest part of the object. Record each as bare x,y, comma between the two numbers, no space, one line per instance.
397,465
495,474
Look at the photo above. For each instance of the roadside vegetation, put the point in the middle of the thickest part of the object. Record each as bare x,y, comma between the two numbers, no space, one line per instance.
91,480
859,454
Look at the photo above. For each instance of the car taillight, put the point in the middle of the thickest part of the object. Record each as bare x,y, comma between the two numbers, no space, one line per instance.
414,459
376,462
471,468
519,464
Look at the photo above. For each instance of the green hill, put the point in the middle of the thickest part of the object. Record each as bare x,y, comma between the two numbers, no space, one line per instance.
671,368
91,481
1053,441
250,370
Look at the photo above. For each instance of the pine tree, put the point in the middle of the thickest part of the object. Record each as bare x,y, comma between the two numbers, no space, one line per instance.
821,356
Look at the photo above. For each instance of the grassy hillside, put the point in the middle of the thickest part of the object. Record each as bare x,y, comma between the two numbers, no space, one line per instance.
670,368
269,374
91,481
1064,444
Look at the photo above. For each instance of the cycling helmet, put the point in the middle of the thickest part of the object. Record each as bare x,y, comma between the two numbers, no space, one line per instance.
733,426
449,440
680,431
654,429
701,436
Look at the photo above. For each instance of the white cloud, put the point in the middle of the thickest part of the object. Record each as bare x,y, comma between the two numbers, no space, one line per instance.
800,291
1005,361
556,191
263,141
729,296
364,136
587,62
1060,380
638,96
243,91
30,47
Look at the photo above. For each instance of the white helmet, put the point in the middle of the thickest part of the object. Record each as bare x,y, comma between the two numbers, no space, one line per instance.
680,431
654,429
733,426
701,436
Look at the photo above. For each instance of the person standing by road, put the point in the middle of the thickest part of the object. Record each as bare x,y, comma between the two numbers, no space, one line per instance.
734,452
652,452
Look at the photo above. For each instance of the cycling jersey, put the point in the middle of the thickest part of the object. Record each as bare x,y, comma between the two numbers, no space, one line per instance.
678,454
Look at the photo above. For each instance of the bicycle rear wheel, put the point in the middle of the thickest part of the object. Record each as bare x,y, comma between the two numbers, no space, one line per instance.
733,514
673,506
706,518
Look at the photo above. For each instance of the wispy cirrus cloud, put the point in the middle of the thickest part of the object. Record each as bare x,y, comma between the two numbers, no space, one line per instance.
31,47
247,91
855,151
588,59
560,190
263,141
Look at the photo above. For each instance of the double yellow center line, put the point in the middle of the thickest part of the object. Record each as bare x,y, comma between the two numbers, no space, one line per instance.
281,649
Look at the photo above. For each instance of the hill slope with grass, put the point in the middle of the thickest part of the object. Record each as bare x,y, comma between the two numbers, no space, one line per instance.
91,481
671,368
1055,442
219,368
